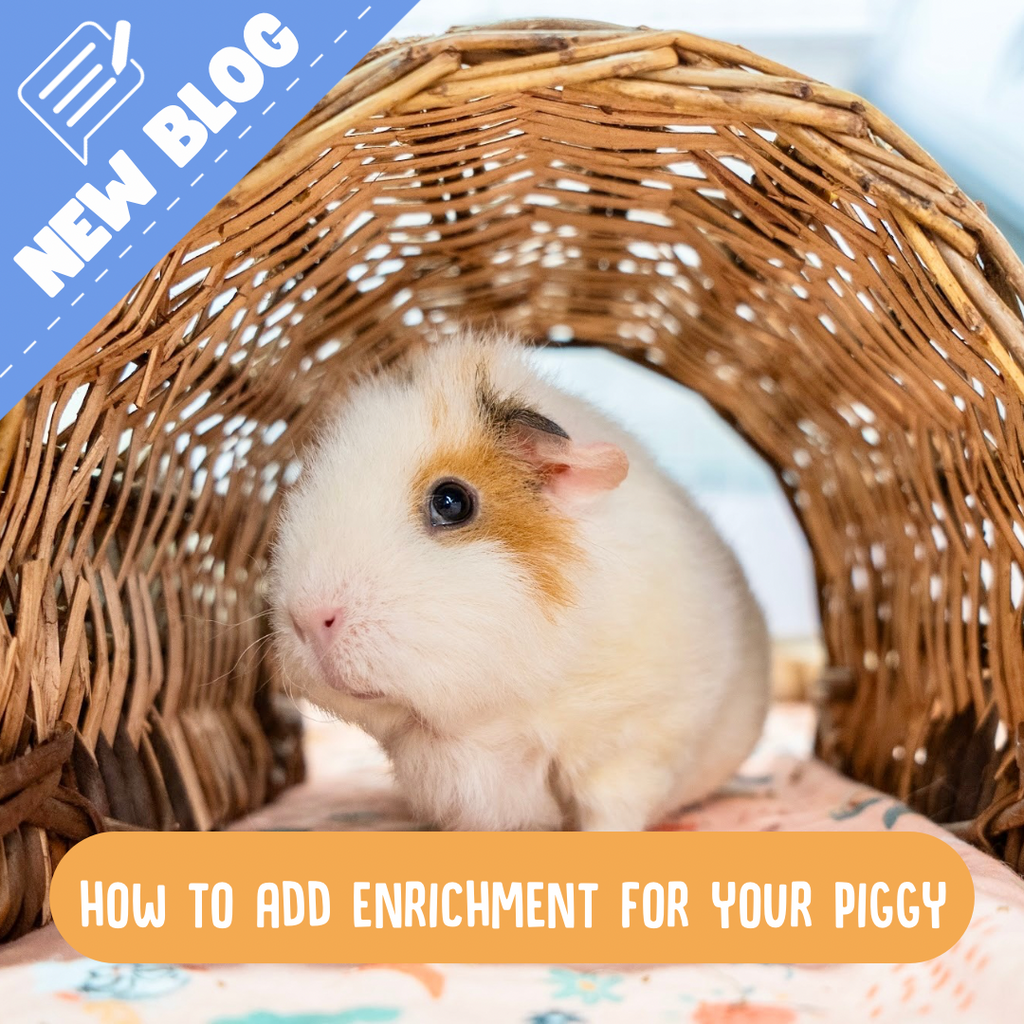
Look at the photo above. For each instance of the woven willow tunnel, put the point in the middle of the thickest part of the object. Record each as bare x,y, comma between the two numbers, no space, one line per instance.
774,243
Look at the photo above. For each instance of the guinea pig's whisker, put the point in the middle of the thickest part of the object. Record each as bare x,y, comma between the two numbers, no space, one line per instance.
238,660
287,685
225,627
228,625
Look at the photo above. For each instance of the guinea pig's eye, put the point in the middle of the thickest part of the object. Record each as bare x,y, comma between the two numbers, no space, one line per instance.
451,504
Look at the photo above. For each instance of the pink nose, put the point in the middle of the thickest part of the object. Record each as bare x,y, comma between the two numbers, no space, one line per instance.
317,626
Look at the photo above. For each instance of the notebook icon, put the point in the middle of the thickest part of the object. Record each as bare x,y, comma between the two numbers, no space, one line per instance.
77,88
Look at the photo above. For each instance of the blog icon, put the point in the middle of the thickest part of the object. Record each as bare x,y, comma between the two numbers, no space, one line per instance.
82,83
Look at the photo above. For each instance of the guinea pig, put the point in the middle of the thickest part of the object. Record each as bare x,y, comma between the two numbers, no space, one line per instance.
499,584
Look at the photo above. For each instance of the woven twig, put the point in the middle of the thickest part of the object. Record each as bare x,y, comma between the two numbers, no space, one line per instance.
775,243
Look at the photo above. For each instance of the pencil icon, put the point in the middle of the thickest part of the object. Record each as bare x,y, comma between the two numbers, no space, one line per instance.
119,57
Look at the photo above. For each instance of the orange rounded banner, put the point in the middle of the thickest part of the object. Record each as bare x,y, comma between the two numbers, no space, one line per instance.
525,897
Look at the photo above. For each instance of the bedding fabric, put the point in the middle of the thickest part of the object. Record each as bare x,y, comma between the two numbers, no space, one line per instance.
781,787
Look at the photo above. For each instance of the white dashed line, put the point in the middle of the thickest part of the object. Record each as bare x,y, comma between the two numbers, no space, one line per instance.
153,225
361,15
289,88
267,111
125,252
196,182
171,207
342,36
1,374
54,322
218,159
82,296
314,64
104,274
26,352
247,130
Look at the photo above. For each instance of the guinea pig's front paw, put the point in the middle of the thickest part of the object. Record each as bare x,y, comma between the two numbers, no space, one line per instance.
622,795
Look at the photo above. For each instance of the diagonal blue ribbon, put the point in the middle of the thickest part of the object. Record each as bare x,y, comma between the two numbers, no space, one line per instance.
94,198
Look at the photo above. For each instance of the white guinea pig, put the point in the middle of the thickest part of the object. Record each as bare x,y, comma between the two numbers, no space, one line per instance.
498,584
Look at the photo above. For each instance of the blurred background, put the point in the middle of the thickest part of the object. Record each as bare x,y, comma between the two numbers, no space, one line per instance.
916,59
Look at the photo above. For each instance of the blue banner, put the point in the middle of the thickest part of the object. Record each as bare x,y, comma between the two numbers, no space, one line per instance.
124,123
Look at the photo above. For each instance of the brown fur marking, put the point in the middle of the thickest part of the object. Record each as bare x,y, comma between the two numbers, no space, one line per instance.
512,511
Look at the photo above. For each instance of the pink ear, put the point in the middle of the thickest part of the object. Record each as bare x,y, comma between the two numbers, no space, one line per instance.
573,472
585,470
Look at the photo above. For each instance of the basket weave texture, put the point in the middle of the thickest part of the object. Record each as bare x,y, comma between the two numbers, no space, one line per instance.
772,242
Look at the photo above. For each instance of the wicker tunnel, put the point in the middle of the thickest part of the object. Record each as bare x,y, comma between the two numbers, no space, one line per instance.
774,243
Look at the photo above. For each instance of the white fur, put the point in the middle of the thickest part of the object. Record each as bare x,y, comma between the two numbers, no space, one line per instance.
645,695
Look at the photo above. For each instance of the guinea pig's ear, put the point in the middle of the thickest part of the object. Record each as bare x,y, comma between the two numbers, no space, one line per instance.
571,472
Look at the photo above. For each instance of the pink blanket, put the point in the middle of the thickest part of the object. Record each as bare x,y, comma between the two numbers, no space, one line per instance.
980,980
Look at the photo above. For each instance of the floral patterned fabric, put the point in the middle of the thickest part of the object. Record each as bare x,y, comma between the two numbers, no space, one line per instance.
979,980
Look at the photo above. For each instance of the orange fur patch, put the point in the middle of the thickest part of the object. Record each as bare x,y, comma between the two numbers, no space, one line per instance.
511,511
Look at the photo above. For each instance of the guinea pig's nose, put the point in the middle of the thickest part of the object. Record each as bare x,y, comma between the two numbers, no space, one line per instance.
318,626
